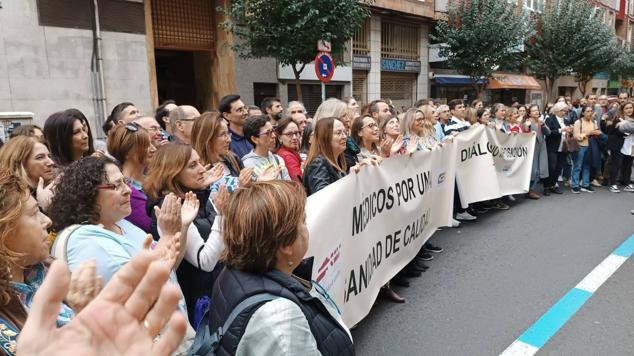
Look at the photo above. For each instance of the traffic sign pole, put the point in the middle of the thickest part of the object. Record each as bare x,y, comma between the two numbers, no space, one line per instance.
323,92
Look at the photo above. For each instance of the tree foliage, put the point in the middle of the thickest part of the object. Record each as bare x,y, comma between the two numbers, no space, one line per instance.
570,38
480,36
288,30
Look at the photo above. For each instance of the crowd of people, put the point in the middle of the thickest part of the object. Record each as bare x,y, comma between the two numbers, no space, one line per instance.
219,199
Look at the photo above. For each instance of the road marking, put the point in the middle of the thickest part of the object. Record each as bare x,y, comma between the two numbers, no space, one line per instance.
536,336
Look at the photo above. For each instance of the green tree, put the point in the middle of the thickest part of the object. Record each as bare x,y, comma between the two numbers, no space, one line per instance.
288,30
570,38
480,36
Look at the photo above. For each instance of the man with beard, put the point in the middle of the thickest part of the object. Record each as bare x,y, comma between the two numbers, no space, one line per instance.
272,107
235,112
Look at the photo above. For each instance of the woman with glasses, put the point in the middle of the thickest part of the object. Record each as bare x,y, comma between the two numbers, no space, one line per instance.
366,134
326,163
557,154
92,200
260,133
289,137
69,137
177,170
211,140
412,127
130,145
539,172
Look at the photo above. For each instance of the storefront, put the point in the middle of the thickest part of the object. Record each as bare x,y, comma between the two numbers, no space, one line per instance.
511,88
446,87
398,81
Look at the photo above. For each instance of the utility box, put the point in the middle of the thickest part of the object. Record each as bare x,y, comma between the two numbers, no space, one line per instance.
9,121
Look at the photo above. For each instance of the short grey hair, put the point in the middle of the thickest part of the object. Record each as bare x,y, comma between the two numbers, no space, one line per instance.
176,114
558,107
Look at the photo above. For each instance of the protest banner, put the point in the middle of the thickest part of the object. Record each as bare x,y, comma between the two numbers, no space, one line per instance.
491,164
367,226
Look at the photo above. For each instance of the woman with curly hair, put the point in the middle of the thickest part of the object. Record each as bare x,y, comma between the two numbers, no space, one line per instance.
68,134
92,194
130,144
24,251
177,169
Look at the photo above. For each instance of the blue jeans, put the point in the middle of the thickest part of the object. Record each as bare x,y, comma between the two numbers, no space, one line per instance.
578,168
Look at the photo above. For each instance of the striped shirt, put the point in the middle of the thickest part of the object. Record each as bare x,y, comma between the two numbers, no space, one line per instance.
457,125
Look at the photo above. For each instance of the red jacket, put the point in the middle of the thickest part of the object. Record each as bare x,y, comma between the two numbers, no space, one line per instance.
293,163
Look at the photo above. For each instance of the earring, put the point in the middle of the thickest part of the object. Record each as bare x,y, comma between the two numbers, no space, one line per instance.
290,263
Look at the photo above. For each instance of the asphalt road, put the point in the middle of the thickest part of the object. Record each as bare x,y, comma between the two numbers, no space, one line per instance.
497,276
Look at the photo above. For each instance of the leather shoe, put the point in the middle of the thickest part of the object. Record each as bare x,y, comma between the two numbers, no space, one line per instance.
400,281
389,294
421,264
556,190
532,195
410,272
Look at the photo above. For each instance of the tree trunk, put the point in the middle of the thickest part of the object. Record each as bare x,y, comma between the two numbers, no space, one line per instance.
548,87
298,87
479,88
583,85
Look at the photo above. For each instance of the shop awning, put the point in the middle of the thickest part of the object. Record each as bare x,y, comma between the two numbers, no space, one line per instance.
455,79
513,81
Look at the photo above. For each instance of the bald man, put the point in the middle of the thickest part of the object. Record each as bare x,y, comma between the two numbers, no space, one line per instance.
154,129
181,122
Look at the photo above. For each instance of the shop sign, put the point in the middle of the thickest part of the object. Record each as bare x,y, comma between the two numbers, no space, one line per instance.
399,65
361,62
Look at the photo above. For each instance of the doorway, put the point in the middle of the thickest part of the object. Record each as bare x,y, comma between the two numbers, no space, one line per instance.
184,76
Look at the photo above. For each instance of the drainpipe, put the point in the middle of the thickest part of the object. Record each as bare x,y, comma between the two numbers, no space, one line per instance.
99,87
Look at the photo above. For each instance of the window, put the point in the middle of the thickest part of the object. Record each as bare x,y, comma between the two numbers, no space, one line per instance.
361,40
400,40
311,94
184,25
115,16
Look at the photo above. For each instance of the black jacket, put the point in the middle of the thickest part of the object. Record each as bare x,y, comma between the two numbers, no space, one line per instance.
319,174
194,282
235,286
615,137
554,139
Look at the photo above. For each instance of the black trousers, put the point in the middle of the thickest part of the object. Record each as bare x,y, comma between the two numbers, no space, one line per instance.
626,169
556,161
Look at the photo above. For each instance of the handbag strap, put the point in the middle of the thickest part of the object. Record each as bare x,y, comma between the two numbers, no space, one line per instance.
209,345
60,247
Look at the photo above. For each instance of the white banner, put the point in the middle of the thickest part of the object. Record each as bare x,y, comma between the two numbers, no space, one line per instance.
491,164
368,226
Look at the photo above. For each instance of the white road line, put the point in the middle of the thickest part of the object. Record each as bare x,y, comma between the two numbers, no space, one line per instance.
601,273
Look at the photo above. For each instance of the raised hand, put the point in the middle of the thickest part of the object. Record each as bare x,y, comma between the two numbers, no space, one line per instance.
213,174
84,286
396,145
412,146
44,194
169,215
386,146
123,319
245,176
189,209
269,172
168,248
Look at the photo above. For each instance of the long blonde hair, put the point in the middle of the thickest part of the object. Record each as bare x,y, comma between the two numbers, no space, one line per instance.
14,193
13,155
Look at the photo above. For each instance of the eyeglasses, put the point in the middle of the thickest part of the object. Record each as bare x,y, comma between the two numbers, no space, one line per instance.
340,133
266,133
225,135
292,134
154,129
293,112
371,125
120,185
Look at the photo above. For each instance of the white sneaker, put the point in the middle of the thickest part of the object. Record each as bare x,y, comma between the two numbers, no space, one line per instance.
614,189
465,217
455,223
595,183
629,188
560,179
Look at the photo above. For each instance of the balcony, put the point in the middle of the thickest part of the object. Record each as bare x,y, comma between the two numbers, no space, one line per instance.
418,8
